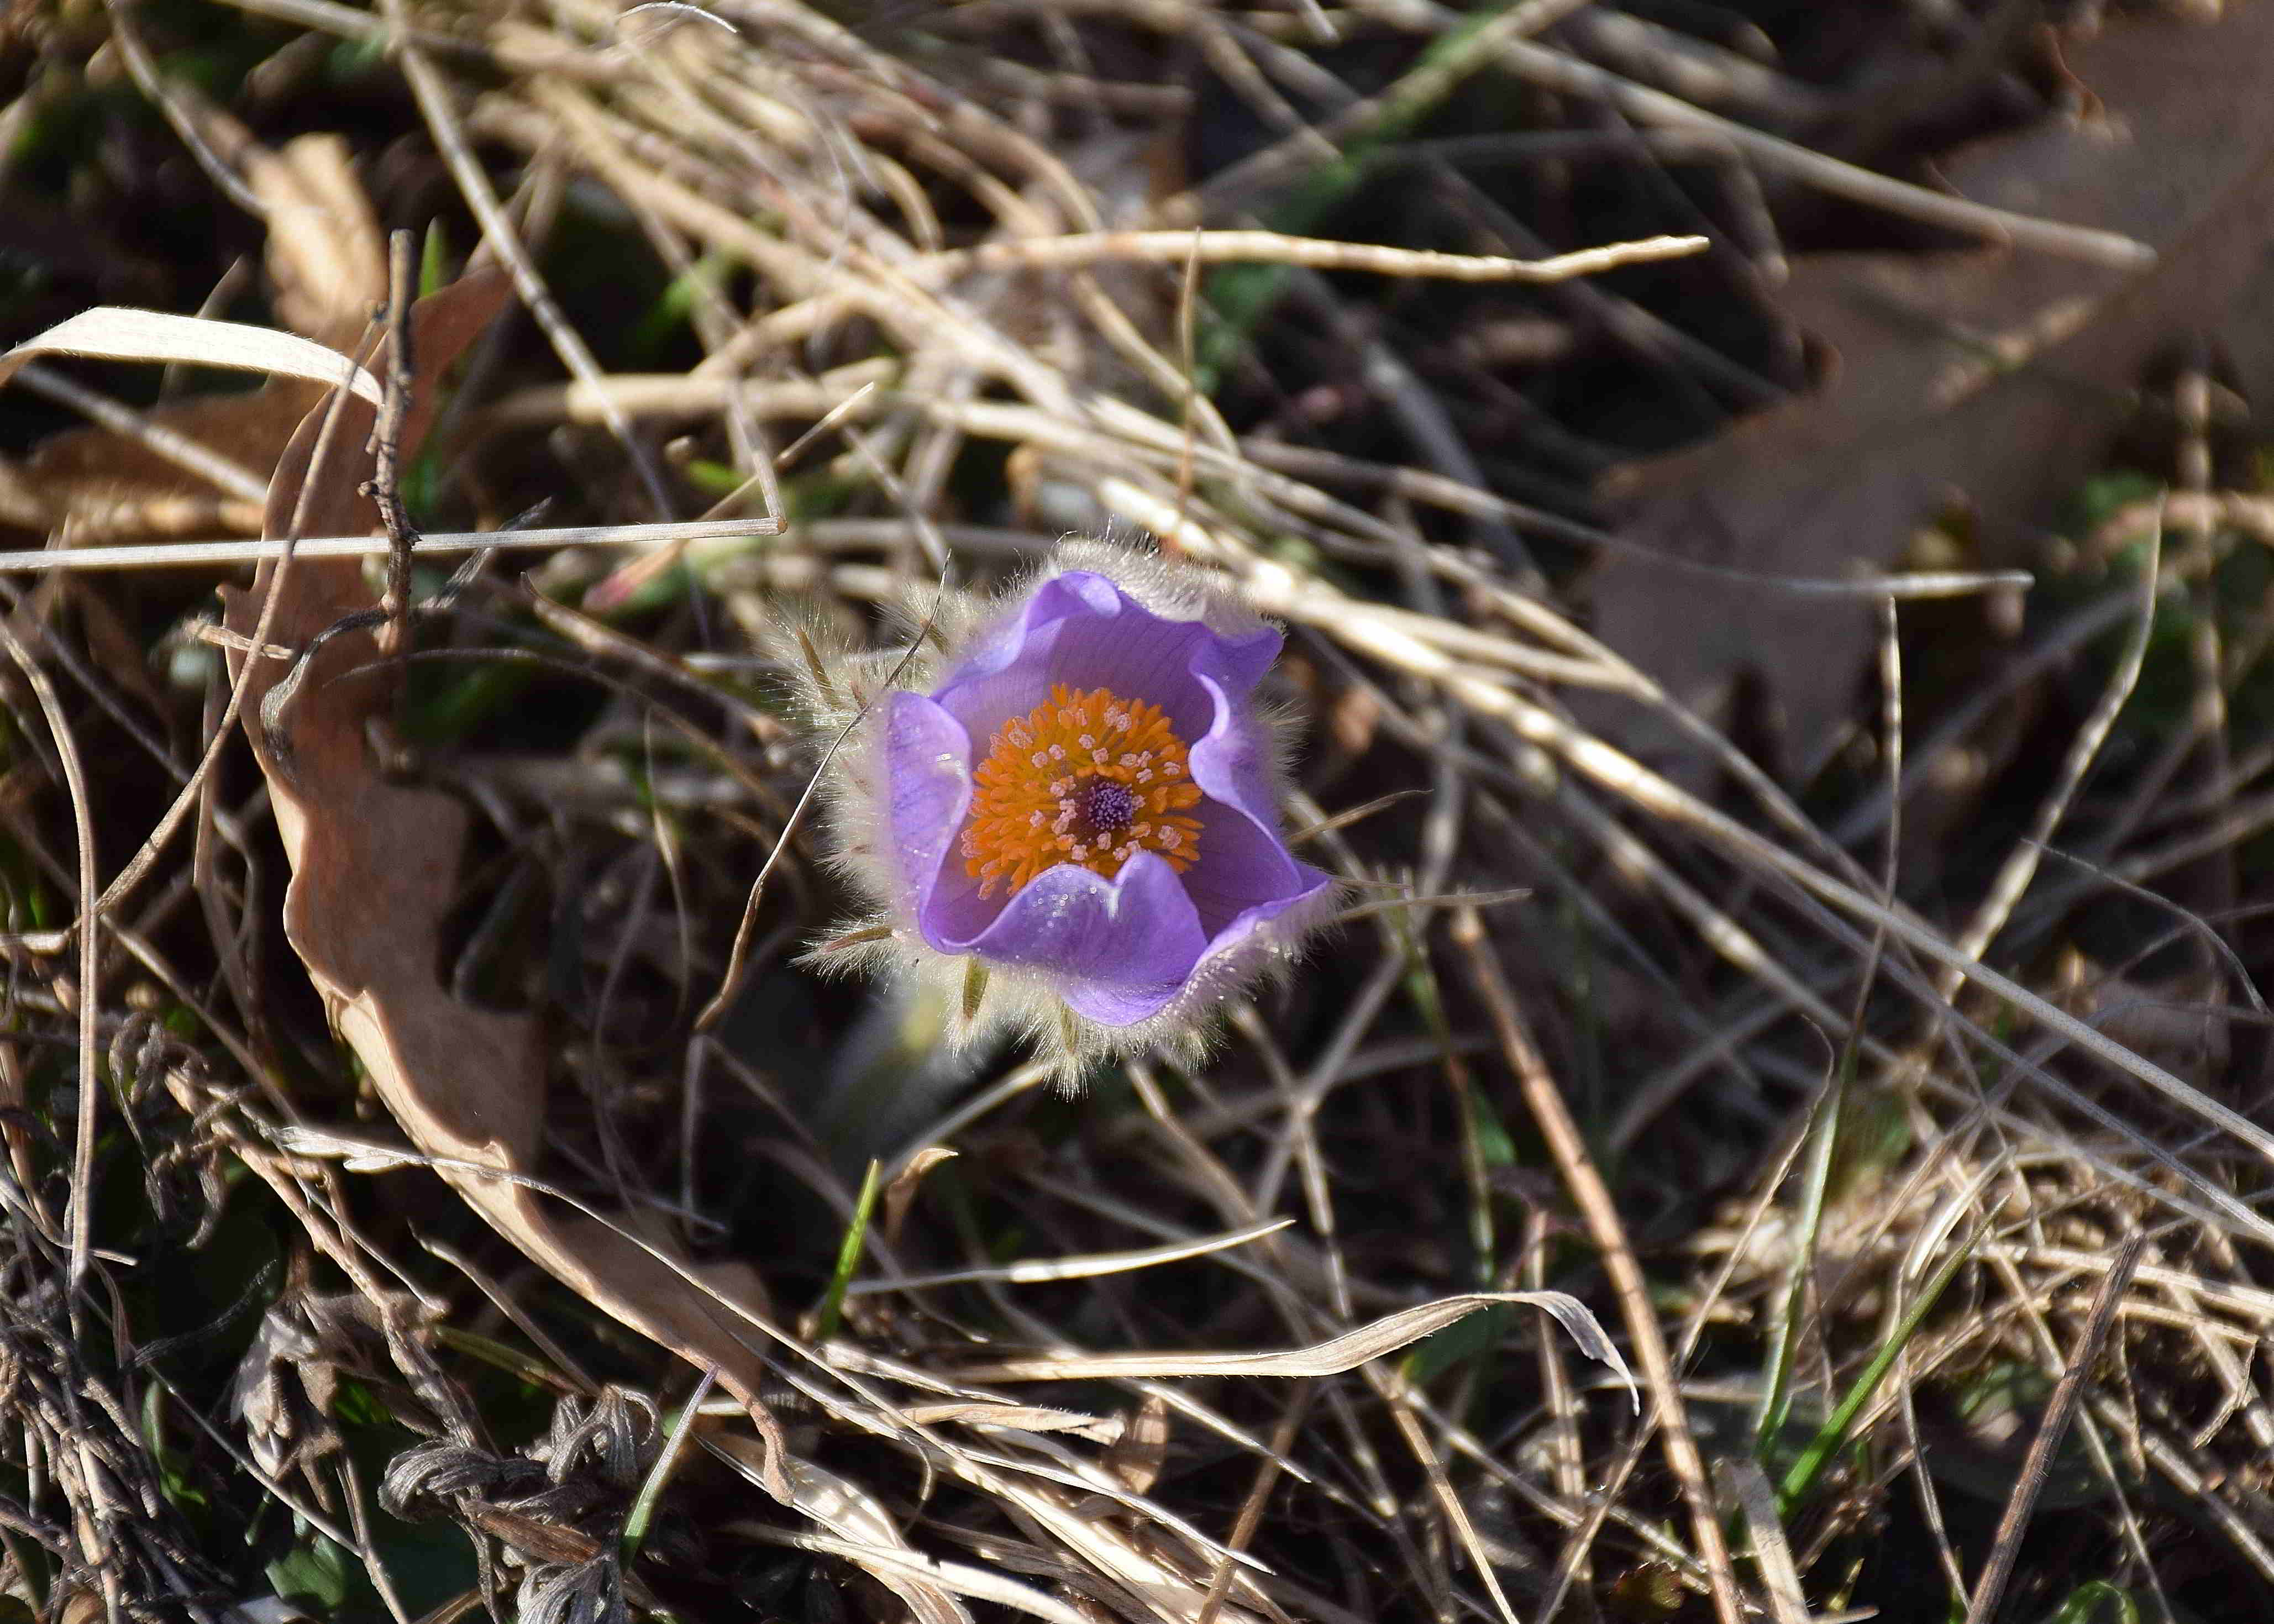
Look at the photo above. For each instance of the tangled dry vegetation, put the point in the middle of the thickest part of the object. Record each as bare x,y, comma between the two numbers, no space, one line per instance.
432,1183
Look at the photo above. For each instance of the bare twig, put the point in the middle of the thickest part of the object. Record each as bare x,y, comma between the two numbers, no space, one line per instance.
385,486
2061,1409
434,544
86,993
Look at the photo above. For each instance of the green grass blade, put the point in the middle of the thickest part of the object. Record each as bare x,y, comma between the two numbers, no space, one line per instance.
433,258
2084,1606
1833,1436
1816,1178
642,1511
849,1257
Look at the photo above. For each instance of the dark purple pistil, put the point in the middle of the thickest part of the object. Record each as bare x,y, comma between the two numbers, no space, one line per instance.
1102,807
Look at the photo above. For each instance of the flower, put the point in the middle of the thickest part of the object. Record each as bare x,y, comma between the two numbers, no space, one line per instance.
1067,804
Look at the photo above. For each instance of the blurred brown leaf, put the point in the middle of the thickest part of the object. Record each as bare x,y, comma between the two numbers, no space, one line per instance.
326,264
327,271
1990,378
375,869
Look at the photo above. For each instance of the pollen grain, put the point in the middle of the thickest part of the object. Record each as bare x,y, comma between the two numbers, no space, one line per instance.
1088,777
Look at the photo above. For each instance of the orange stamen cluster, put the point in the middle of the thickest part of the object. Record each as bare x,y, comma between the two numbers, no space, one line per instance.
1090,779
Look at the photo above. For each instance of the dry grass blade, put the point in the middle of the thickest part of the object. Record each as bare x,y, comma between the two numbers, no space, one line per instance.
114,333
863,1531
117,334
1642,787
1075,1268
974,1581
1756,1497
434,102
730,981
1330,1357
88,990
1832,175
1273,248
2020,865
162,441
2061,1410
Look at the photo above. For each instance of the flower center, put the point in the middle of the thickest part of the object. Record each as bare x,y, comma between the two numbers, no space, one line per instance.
1088,777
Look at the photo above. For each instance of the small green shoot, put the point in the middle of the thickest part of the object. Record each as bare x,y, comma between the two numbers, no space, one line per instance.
1833,1436
2096,1601
173,1476
670,311
498,1355
354,59
433,258
1816,1178
1484,1142
313,1575
848,1255
713,477
642,1511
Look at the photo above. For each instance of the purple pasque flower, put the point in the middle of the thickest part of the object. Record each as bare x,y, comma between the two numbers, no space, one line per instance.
1075,811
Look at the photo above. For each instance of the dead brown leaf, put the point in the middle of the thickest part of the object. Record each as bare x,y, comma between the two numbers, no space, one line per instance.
97,486
374,870
326,264
1992,377
327,272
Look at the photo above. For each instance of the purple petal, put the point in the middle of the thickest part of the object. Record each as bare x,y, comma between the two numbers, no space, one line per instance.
1313,887
1244,865
1082,630
1256,938
1123,947
928,770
